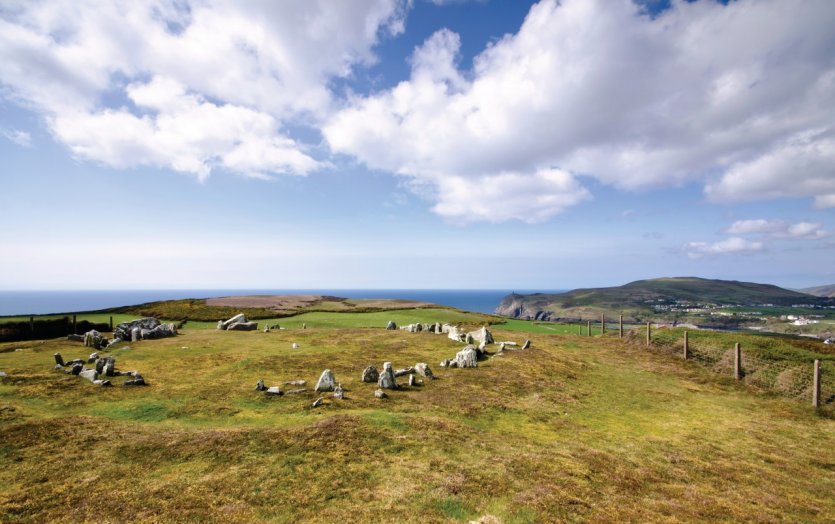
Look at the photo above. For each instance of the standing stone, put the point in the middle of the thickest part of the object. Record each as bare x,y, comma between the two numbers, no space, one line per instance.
89,374
326,381
136,334
391,325
444,363
338,392
92,358
453,334
411,381
137,381
386,380
527,344
273,391
77,368
266,329
58,359
100,365
260,386
380,394
110,367
304,325
467,358
220,324
483,336
370,374
469,339
422,369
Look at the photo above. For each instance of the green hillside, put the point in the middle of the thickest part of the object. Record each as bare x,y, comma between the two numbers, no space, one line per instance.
642,298
821,291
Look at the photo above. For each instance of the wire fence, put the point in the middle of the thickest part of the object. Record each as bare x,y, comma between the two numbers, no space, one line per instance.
789,376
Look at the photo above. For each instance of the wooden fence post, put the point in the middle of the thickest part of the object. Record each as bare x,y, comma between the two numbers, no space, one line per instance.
686,346
602,323
816,385
74,328
621,326
111,323
737,362
589,327
649,335
32,324
579,328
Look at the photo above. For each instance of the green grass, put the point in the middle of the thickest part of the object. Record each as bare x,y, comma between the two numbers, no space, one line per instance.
575,429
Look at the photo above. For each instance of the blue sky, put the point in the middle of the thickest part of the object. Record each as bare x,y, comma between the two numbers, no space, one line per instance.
383,144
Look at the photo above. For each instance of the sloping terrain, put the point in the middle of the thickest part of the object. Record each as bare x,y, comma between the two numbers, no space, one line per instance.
637,298
576,428
821,291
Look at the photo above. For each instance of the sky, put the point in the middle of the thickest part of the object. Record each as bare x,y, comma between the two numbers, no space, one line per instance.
489,144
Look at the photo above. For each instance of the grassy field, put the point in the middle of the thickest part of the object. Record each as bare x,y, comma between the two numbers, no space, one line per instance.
576,429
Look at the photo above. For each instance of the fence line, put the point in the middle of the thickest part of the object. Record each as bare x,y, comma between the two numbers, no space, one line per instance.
787,377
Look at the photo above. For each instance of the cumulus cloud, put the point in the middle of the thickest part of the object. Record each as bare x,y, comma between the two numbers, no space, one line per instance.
699,92
189,86
779,229
732,245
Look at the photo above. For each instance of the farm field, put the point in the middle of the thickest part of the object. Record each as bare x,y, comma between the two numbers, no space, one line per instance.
577,428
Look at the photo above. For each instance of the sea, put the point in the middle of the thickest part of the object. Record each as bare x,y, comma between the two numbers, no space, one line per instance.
65,301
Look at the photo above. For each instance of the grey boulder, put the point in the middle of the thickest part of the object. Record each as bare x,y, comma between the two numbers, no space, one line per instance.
89,374
386,380
326,382
422,369
466,358
391,325
370,374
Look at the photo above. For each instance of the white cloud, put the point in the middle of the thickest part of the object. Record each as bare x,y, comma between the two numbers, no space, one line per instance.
743,227
21,138
186,85
498,198
601,89
732,245
779,229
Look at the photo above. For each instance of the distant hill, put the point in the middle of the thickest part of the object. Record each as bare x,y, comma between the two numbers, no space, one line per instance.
821,291
638,299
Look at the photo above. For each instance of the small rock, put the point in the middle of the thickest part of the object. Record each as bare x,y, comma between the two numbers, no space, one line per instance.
318,402
326,381
273,391
411,381
92,358
137,381
370,374
391,325
444,363
296,392
526,345
295,346
386,380
380,394
58,359
242,326
304,326
76,338
422,369
58,367
3,374
77,368
110,367
260,386
100,365
89,374
266,329
338,392
295,383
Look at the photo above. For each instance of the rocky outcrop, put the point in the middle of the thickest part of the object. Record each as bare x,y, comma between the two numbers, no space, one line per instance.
522,306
